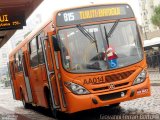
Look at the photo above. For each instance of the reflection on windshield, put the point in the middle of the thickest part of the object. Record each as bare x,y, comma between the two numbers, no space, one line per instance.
88,35
81,55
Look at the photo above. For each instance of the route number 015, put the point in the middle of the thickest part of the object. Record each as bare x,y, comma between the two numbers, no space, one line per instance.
68,17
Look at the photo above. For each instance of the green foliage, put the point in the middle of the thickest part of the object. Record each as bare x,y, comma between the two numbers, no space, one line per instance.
156,16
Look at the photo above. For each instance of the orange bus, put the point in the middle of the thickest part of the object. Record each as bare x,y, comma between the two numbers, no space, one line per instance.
82,58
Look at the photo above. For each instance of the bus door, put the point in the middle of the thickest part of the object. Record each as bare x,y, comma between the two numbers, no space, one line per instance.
52,74
35,74
26,78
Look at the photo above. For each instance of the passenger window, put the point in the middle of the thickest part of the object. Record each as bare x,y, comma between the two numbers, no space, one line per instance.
33,53
33,45
12,72
20,61
48,55
16,62
40,51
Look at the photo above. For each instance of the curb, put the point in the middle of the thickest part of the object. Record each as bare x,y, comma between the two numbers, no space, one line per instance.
155,84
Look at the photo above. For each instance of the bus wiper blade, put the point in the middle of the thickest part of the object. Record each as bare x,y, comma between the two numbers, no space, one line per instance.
95,41
107,35
88,35
113,28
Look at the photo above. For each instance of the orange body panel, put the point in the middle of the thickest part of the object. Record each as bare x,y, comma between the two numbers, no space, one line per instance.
83,102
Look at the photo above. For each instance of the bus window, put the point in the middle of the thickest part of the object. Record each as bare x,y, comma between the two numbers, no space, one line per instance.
20,61
125,41
86,54
12,72
16,62
48,55
40,52
33,53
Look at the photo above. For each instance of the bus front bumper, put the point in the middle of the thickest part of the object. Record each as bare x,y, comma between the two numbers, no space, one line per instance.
77,103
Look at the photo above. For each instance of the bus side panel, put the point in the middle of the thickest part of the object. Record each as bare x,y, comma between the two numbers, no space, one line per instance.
12,74
17,92
44,83
34,83
38,79
21,85
37,83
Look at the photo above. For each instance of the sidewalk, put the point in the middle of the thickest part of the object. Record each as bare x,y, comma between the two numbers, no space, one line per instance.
155,78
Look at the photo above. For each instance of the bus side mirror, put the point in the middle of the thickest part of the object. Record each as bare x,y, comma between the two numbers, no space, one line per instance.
55,43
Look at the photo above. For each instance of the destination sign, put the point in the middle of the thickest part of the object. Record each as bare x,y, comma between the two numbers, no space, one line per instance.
12,18
94,13
102,12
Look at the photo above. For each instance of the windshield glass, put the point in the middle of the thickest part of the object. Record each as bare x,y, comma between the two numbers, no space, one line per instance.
100,52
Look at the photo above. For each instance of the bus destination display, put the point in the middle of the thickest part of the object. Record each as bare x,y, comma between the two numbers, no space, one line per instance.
11,18
91,14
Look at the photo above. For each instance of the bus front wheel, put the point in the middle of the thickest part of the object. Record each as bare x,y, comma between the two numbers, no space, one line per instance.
50,106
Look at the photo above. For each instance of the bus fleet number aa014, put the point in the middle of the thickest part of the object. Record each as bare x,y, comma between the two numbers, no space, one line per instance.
68,17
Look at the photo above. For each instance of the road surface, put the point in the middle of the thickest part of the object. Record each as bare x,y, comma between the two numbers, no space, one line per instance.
147,108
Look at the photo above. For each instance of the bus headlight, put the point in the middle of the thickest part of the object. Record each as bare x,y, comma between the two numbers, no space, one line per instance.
76,89
140,78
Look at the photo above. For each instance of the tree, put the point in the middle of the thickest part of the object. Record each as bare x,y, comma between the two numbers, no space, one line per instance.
156,16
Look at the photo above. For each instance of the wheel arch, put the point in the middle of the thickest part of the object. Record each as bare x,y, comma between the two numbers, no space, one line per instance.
46,94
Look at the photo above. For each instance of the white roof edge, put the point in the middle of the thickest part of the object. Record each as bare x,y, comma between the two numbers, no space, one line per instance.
154,41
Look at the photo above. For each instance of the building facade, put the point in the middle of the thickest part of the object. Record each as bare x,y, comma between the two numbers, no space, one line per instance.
21,34
147,10
4,59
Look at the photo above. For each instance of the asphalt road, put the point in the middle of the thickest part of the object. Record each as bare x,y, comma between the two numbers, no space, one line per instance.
147,108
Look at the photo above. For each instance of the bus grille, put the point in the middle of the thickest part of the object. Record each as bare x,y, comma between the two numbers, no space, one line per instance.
113,95
119,76
106,88
114,78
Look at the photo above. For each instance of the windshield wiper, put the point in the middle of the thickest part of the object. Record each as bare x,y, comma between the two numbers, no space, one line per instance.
113,28
88,35
107,35
95,41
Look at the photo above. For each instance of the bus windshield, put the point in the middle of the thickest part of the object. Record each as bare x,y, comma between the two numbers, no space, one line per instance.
101,51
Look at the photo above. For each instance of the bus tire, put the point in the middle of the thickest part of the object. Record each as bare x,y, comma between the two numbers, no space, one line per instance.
25,105
53,112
